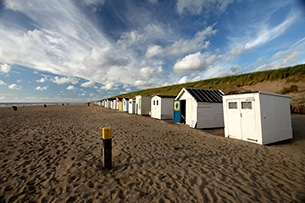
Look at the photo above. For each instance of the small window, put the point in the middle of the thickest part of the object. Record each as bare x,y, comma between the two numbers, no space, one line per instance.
246,105
232,105
157,103
154,102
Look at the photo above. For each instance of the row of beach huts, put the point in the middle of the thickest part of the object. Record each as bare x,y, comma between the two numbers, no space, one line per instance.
258,117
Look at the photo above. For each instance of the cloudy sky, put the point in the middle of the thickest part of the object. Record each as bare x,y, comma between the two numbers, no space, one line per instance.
85,50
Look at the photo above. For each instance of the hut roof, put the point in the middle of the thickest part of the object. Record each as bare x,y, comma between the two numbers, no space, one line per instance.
203,95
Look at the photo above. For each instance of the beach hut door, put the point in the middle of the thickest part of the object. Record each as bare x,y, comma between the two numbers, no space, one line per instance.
179,111
248,124
241,120
234,121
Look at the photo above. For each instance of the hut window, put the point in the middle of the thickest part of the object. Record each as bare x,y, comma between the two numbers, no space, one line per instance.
232,105
246,105
157,102
154,102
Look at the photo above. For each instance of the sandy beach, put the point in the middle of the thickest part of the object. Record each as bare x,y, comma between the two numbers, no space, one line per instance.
54,154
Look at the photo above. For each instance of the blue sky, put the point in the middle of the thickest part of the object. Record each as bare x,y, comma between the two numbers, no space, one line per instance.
85,50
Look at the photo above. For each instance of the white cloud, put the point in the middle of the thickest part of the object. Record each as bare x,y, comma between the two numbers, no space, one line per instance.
154,50
180,47
237,50
140,83
14,87
146,72
280,59
263,33
197,78
157,31
42,80
197,6
194,62
57,45
108,86
189,62
2,82
266,34
41,88
132,38
160,69
105,58
71,87
5,68
64,80
87,84
184,79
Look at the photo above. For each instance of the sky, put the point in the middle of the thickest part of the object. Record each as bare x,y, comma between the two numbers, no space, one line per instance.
87,50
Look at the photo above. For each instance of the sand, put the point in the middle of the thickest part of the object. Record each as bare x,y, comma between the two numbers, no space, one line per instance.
54,154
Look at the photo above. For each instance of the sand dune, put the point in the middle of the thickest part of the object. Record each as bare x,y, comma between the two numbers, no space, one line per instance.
54,154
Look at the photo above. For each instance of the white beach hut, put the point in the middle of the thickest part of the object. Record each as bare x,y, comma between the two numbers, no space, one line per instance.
109,103
131,105
119,104
142,106
259,117
103,102
125,104
114,104
199,108
162,107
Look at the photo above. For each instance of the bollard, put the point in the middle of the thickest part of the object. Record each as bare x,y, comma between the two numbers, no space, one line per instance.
107,150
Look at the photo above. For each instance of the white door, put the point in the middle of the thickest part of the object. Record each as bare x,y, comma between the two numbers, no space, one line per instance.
234,120
154,109
248,124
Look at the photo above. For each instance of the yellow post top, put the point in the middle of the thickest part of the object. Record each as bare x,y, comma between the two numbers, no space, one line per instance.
106,133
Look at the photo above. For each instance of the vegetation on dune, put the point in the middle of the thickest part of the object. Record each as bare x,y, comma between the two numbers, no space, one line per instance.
231,84
285,90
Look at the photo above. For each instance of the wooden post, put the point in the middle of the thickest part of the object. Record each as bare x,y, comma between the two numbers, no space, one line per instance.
107,150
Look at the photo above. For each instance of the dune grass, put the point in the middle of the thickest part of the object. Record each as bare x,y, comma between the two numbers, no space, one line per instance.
229,84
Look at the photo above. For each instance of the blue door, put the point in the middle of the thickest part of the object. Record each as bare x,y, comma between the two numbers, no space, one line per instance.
179,111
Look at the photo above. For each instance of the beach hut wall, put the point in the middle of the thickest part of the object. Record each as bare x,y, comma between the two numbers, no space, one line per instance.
162,107
125,105
120,105
260,117
203,108
107,103
114,104
104,102
131,106
142,106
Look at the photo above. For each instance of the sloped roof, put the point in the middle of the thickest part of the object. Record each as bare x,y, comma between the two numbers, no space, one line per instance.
202,95
164,96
